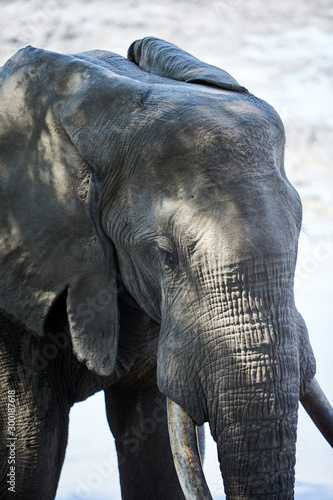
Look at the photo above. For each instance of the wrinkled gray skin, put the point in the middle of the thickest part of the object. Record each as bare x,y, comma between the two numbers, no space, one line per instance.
148,246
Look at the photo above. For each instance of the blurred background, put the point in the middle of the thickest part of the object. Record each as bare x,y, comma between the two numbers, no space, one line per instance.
282,52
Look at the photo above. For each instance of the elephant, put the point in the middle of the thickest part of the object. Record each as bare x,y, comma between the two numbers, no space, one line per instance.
148,247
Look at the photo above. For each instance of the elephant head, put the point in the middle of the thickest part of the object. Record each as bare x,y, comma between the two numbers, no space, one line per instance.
166,170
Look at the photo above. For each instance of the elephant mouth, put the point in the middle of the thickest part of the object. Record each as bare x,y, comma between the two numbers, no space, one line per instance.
185,450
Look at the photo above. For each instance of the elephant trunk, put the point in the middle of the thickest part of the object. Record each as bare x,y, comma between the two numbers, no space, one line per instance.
250,377
254,423
253,408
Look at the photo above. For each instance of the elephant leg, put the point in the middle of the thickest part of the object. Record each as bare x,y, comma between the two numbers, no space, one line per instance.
33,414
138,420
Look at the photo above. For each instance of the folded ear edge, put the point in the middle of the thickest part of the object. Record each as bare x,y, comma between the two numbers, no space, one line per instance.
216,83
166,59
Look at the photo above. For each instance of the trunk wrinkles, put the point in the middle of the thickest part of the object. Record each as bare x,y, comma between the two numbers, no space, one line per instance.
252,378
251,375
231,355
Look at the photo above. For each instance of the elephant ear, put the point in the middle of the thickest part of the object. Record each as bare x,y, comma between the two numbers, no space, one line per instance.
165,59
51,237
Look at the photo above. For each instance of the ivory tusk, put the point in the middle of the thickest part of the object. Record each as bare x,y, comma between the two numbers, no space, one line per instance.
320,410
184,446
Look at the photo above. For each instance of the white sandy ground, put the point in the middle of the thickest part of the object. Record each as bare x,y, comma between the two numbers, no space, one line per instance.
281,51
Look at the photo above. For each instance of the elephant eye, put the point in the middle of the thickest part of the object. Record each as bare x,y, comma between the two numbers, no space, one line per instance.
167,251
168,258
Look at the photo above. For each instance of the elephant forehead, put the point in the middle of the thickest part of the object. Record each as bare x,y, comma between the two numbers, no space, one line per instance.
230,224
200,148
186,221
172,208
